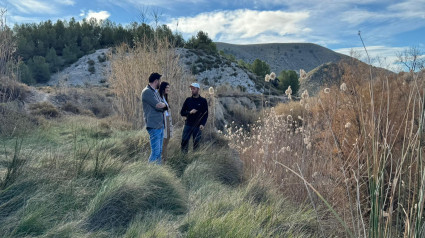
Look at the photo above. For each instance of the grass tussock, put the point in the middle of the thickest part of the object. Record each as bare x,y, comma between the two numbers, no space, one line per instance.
143,188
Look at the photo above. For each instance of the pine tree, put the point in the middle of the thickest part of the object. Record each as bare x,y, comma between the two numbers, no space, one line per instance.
289,78
39,69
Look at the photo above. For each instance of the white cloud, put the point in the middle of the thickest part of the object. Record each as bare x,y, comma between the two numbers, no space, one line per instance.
381,56
33,6
244,24
101,15
21,19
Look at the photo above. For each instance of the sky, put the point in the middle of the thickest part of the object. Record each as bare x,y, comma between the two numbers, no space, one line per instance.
387,26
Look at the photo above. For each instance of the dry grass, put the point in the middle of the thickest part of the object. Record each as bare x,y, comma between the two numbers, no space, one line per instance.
359,147
7,48
131,68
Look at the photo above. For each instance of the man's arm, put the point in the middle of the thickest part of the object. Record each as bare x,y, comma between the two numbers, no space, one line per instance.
204,113
149,98
185,110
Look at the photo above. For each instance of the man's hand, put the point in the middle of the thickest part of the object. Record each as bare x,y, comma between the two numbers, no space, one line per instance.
201,127
193,111
160,105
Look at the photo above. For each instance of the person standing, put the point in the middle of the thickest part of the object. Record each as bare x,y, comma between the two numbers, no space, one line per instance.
164,90
153,109
195,109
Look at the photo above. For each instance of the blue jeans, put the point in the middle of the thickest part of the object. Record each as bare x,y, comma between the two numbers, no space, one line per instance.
156,137
189,131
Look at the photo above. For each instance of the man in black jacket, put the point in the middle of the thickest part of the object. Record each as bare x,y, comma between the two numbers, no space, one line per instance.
195,109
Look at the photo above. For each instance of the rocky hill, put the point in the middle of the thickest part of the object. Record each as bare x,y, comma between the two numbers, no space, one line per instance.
209,70
214,70
91,69
335,73
284,56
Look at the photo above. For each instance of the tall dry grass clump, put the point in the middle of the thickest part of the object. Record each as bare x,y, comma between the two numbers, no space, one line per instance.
7,48
131,67
359,145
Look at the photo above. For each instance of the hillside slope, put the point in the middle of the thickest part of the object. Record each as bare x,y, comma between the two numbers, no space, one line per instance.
335,73
284,56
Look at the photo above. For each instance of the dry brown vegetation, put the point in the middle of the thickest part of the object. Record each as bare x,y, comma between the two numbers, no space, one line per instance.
359,145
131,68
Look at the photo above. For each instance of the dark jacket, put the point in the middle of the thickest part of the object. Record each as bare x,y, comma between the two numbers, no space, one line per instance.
201,116
153,116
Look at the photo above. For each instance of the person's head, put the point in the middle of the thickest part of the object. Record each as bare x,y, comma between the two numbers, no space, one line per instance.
164,89
155,80
194,87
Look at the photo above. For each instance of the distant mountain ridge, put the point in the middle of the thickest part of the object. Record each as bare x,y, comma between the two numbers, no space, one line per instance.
284,56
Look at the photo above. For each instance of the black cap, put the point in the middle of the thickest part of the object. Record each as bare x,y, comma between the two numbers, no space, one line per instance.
153,77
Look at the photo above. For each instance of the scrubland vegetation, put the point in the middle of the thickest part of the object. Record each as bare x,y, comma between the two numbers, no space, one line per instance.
354,150
347,162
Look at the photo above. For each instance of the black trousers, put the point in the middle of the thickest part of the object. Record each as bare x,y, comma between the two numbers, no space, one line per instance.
190,131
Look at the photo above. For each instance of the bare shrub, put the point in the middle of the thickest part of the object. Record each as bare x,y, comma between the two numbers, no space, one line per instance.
11,90
131,68
7,48
14,120
45,109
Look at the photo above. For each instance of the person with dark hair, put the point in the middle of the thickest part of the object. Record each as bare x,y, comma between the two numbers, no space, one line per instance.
164,90
153,109
195,109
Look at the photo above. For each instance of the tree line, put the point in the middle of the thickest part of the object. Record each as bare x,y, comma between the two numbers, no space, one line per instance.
48,47
260,68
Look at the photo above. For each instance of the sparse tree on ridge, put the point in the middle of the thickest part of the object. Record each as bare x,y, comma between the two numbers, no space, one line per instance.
413,58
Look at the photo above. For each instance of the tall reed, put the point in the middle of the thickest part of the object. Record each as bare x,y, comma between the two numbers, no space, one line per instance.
131,67
359,145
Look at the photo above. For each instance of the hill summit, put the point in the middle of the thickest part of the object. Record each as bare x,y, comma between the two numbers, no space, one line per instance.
284,56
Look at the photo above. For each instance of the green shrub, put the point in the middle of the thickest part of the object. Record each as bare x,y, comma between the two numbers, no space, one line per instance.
260,68
289,78
39,69
92,69
90,62
202,42
141,188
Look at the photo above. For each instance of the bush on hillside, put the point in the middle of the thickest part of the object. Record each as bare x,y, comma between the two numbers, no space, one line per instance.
45,109
289,78
260,68
40,69
202,42
11,90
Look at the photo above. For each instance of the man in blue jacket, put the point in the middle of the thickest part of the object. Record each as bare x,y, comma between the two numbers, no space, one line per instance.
153,109
195,109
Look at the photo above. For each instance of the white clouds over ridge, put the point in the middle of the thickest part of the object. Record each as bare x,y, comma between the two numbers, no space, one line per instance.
243,24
